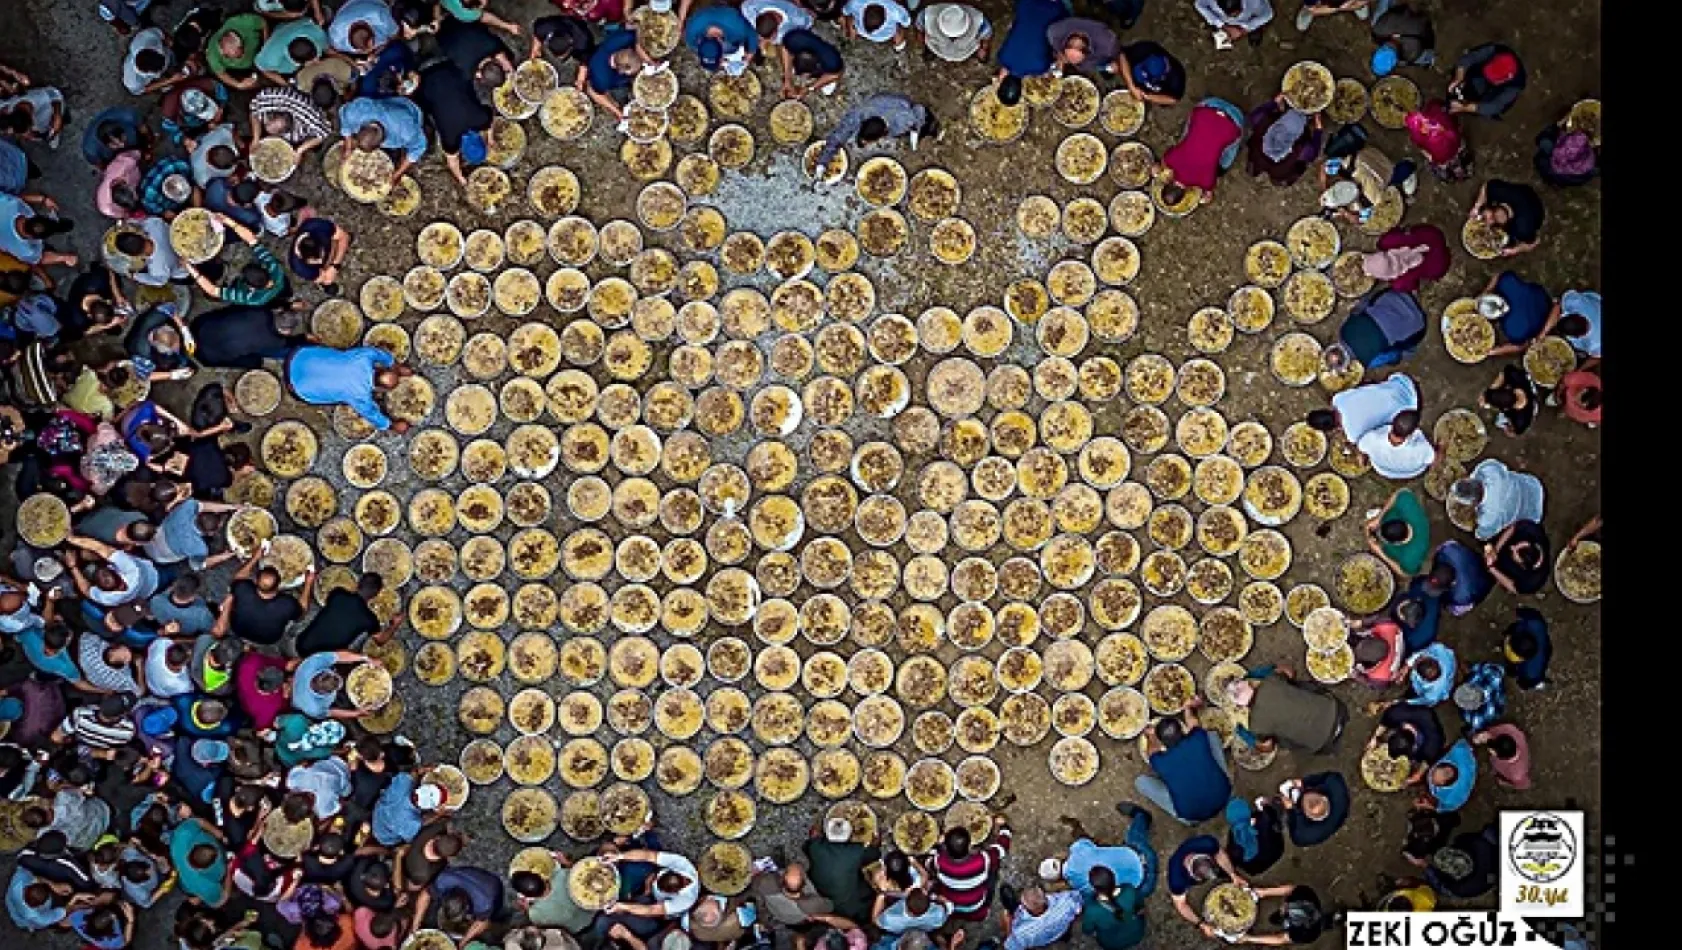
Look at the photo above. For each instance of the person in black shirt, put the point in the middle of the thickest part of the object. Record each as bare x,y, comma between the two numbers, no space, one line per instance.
1410,731
243,337
1469,866
1152,73
474,49
1516,209
566,38
1513,396
256,610
447,96
1267,825
369,884
327,861
1518,557
1316,808
346,618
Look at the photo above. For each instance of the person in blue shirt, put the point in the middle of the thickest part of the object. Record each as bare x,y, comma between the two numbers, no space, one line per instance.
201,862
1519,309
323,376
1132,863
104,928
721,37
392,123
1527,649
809,62
1026,51
608,74
1461,574
1431,675
35,904
1191,781
1450,781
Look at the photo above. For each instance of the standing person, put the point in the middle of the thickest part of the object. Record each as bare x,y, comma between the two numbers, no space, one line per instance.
1431,675
322,376
1527,649
1283,141
255,609
1400,532
1435,130
1513,397
1190,778
773,19
390,123
1237,19
965,877
1513,208
1025,51
1487,81
1035,918
446,96
837,864
809,62
1579,393
879,21
1400,452
1314,9
1462,575
566,38
345,618
1133,862
1566,157
1198,860
1255,838
1387,325
1301,918
1316,806
1368,407
791,901
231,52
1519,309
1519,557
243,337
607,75
1425,258
1083,45
1302,717
954,32
1509,754
882,116
674,888
1449,783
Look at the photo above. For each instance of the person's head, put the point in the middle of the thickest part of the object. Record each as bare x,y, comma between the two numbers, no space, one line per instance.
302,50
1405,424
107,579
834,940
17,282
873,129
1173,193
1398,904
1370,651
1323,420
1526,554
201,856
12,600
917,901
267,579
1385,59
1170,731
625,62
271,680
113,708
806,63
106,854
222,158
1442,576
135,872
874,16
1501,398
794,879
103,922
765,25
132,244
255,276
1572,325
1010,90
369,585
56,636
1502,68
384,923
710,51
528,884
156,436
277,123
671,882
326,682
37,895
39,228
1231,7
956,843
222,655
1504,746
491,74
1467,491
361,38
1076,47
375,876
185,589
455,905
370,137
114,135
248,797
1033,899
17,120
897,866
1102,880
1394,531
1428,669
1315,805
1444,773
311,249
560,43
1409,611
449,844
1400,744
210,712
323,930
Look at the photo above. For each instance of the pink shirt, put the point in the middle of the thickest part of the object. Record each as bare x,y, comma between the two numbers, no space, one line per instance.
365,938
1390,669
1513,773
124,168
1196,160
1570,387
261,707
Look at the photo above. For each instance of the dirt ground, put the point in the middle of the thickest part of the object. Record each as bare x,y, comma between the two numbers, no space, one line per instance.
1187,264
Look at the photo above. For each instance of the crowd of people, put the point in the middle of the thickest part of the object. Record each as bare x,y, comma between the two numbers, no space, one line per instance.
166,742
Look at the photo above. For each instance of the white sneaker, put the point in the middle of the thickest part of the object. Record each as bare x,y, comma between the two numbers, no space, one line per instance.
829,90
914,137
1305,19
1363,13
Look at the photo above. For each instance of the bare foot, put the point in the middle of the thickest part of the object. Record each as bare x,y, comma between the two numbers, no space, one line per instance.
957,941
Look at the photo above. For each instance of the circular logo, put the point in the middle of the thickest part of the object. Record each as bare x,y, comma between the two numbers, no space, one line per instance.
1542,848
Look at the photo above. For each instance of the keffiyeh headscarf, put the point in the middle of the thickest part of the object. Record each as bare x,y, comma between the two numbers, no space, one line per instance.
1282,135
321,735
1572,155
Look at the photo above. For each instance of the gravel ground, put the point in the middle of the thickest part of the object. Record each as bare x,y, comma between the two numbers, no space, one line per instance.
1188,264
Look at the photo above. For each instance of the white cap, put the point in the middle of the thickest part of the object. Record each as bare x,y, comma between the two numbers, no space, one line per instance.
1051,869
838,830
952,31
953,21
429,796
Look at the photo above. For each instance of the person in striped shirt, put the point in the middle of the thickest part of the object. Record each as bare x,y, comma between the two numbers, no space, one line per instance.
964,876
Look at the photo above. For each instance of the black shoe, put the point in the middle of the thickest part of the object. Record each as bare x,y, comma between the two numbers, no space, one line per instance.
1008,897
241,427
1128,810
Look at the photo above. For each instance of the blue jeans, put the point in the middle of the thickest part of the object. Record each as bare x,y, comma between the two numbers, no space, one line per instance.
1156,790
1139,839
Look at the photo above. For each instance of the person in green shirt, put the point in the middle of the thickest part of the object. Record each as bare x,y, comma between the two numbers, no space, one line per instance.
478,11
1400,533
549,903
231,52
1114,916
258,283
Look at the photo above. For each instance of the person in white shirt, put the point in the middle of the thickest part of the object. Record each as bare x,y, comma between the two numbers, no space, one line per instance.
1501,496
677,885
772,19
1401,451
1236,18
879,21
1365,408
166,668
954,32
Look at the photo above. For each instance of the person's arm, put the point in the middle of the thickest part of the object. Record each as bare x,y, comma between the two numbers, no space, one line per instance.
423,900
1513,250
512,29
1183,907
93,546
790,89
603,99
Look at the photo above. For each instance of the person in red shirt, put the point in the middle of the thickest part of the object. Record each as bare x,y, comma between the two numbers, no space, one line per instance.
260,687
1436,131
1208,147
1579,394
